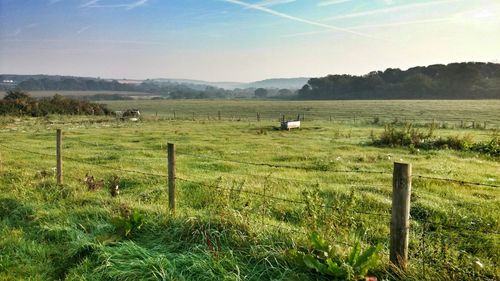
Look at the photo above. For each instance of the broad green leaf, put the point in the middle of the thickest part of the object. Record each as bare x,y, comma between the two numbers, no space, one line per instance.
318,242
353,256
313,263
334,269
367,259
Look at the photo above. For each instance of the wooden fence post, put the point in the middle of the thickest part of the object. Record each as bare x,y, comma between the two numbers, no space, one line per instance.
218,115
174,114
258,116
401,191
171,176
59,172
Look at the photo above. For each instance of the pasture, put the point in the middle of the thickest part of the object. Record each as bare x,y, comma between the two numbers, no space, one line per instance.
247,194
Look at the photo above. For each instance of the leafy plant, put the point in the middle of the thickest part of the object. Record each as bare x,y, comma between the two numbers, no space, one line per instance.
324,259
129,221
403,136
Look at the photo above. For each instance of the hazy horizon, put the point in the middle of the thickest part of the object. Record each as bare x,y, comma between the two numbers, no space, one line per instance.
241,41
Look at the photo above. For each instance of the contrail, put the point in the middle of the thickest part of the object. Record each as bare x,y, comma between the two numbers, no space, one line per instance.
269,3
376,25
332,2
391,9
297,19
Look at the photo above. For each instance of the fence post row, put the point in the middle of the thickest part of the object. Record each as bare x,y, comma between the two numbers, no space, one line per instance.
171,176
59,172
401,191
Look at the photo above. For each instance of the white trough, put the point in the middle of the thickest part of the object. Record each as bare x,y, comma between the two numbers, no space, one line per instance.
287,125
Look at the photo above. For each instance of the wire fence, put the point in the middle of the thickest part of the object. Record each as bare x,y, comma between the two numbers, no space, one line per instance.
325,115
433,230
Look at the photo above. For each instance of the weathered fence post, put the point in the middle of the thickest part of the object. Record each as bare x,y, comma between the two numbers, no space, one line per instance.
171,176
59,172
218,115
174,114
401,191
258,116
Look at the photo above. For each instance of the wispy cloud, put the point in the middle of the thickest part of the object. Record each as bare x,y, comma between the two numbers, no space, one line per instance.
136,4
270,3
83,29
332,2
297,19
89,3
127,6
392,9
22,29
52,2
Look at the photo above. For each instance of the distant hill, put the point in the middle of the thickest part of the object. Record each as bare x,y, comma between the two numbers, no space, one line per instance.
275,83
471,80
279,83
223,85
43,82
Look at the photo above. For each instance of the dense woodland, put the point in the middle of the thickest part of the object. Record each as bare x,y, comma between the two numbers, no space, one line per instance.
20,103
452,81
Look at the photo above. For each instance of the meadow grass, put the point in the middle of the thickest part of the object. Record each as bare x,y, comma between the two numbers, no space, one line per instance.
223,228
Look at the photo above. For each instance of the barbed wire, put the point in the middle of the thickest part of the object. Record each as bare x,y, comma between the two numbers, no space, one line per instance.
448,226
462,182
298,181
28,151
279,198
282,166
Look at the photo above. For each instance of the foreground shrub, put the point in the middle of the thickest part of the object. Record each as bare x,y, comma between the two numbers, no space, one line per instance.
326,260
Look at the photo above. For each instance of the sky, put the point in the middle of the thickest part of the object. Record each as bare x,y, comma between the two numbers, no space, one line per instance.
242,40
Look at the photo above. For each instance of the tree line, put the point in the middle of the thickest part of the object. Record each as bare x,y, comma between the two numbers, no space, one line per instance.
17,102
453,81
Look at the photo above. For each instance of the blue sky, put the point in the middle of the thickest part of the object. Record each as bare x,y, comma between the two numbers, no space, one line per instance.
241,40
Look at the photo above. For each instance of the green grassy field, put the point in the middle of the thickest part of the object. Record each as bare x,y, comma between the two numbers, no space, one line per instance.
450,112
237,219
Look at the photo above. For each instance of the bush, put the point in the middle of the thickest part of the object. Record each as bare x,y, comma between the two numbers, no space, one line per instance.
414,139
20,103
404,136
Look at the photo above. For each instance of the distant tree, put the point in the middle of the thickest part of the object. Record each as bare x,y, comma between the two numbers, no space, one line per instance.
305,92
284,92
16,95
452,81
260,93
